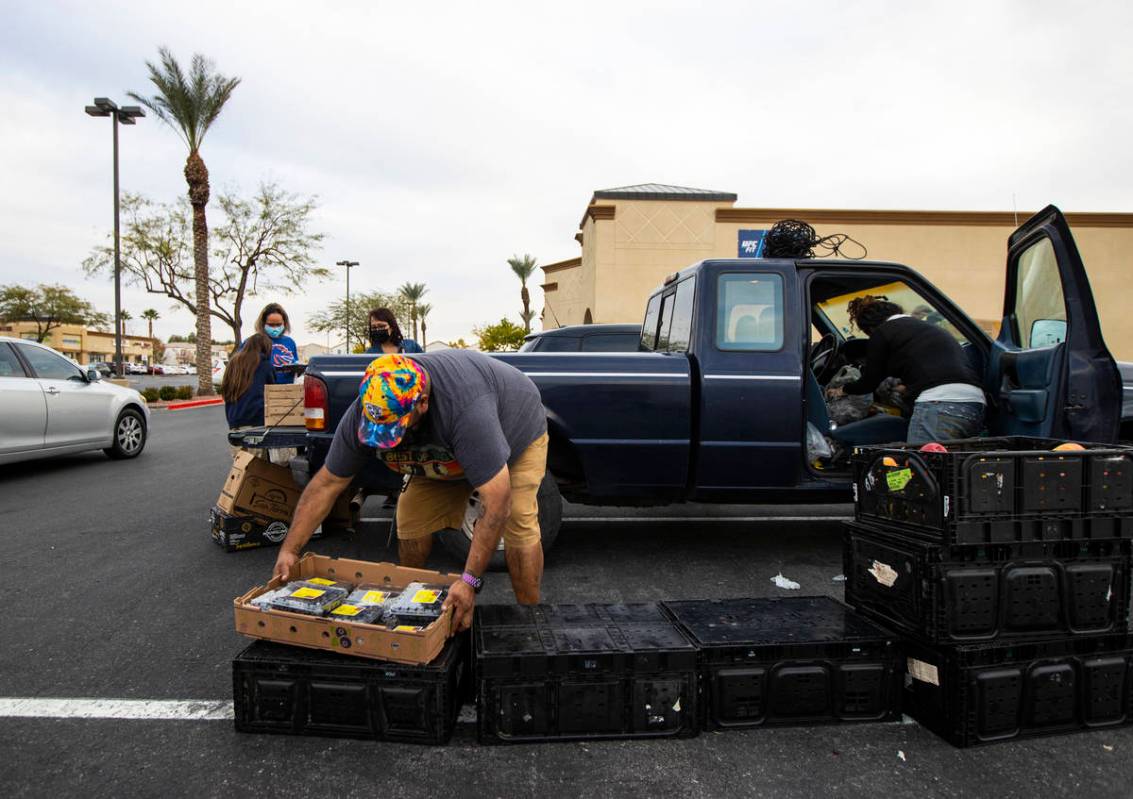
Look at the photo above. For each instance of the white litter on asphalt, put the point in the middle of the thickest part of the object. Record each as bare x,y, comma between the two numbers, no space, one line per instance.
901,755
839,578
783,582
160,709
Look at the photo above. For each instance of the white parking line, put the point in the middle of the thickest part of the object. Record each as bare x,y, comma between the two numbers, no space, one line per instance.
647,519
146,709
137,709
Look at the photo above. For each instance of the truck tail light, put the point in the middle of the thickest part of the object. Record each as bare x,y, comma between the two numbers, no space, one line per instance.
315,403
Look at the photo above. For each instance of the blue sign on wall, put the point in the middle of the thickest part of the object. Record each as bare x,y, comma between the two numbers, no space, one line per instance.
751,243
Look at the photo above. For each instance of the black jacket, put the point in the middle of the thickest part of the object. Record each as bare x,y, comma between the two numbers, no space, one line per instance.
922,355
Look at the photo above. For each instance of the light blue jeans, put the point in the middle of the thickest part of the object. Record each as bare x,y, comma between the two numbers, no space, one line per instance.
944,421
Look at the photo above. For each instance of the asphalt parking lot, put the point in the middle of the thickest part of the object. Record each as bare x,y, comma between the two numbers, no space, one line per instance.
112,589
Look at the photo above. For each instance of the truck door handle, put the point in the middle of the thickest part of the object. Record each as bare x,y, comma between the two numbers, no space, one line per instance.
52,390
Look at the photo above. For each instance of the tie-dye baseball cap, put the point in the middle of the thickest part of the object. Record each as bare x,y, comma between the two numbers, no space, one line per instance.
389,392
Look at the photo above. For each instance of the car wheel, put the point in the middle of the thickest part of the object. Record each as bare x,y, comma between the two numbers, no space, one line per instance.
129,435
459,542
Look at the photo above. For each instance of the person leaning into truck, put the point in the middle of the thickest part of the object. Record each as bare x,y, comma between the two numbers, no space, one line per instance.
385,335
947,400
455,421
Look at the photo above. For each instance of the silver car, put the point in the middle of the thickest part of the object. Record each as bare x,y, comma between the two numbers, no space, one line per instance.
50,406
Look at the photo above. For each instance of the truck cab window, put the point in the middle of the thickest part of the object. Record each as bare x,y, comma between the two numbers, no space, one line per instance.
680,331
649,327
1040,306
834,310
749,312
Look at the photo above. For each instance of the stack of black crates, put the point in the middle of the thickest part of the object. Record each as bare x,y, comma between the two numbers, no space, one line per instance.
1005,565
671,669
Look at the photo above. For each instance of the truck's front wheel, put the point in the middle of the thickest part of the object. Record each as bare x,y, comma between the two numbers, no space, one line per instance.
458,542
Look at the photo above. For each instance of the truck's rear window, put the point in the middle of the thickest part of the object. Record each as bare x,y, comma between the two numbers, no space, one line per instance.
749,312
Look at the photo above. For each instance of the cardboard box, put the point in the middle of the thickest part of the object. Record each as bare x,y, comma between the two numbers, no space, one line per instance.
234,533
335,635
256,487
283,406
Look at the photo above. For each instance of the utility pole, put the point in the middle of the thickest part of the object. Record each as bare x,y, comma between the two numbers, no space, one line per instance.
348,265
104,107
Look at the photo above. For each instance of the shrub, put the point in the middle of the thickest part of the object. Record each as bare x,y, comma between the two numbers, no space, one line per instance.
150,394
168,393
184,392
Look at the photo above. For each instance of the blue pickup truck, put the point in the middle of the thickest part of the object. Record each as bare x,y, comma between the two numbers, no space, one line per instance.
734,355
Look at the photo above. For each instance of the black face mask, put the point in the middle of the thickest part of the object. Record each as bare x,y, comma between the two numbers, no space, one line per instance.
379,337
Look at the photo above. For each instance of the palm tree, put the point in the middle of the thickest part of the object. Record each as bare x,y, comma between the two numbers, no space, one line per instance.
422,311
151,316
125,317
412,293
523,267
190,104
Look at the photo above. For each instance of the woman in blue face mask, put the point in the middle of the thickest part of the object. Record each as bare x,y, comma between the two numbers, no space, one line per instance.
274,324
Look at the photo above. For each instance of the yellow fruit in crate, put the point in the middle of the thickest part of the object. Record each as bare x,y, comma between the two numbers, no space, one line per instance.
1069,446
887,461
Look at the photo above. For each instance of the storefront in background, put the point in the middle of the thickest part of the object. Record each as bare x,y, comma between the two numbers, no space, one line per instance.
632,237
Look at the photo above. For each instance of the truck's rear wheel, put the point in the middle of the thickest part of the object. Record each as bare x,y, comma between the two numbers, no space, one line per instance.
458,542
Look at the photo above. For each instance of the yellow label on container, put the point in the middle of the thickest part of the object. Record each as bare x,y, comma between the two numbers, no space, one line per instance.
307,593
346,610
405,628
425,597
321,581
899,479
374,597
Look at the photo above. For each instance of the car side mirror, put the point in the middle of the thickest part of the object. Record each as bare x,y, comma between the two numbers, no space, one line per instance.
1048,332
93,375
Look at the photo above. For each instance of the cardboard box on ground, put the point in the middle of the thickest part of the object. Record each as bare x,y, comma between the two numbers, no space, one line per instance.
283,405
257,502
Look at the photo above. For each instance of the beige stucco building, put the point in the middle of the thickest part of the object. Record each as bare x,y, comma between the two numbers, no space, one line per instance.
632,237
84,345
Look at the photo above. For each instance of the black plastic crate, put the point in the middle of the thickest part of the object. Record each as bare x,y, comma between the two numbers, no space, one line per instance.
797,660
581,672
979,694
996,490
296,691
956,594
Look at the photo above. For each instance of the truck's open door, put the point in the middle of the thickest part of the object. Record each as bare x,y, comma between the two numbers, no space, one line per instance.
1050,373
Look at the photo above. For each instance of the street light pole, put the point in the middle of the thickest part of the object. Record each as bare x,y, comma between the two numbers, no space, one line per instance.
348,265
104,107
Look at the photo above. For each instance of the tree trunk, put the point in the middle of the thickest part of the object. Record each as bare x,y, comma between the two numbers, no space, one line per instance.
197,176
424,335
526,297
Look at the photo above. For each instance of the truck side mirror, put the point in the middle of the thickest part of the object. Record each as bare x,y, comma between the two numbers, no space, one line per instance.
1048,332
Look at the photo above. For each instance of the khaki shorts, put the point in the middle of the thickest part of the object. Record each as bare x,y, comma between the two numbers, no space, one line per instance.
428,505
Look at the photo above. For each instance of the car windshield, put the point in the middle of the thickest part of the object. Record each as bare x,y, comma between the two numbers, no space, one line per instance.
836,310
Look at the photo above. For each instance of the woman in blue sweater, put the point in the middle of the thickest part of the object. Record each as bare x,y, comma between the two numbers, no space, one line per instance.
248,371
274,324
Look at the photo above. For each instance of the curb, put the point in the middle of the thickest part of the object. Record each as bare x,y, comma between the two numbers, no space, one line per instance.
201,403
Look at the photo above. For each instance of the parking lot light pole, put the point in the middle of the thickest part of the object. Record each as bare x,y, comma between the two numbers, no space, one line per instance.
104,107
348,265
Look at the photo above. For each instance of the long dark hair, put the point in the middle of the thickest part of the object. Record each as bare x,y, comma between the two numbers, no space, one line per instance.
242,366
386,315
867,312
269,309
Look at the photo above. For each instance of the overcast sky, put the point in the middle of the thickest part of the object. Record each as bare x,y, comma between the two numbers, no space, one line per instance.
440,138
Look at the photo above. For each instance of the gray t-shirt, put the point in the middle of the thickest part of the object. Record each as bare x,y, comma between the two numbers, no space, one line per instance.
483,414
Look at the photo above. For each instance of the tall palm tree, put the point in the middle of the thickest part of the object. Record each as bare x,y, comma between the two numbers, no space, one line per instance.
422,311
190,104
412,293
150,315
125,316
523,267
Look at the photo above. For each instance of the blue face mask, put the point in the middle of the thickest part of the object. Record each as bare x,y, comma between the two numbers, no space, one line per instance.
275,331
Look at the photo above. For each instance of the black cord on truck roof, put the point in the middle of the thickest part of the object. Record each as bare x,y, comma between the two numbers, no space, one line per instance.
793,238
